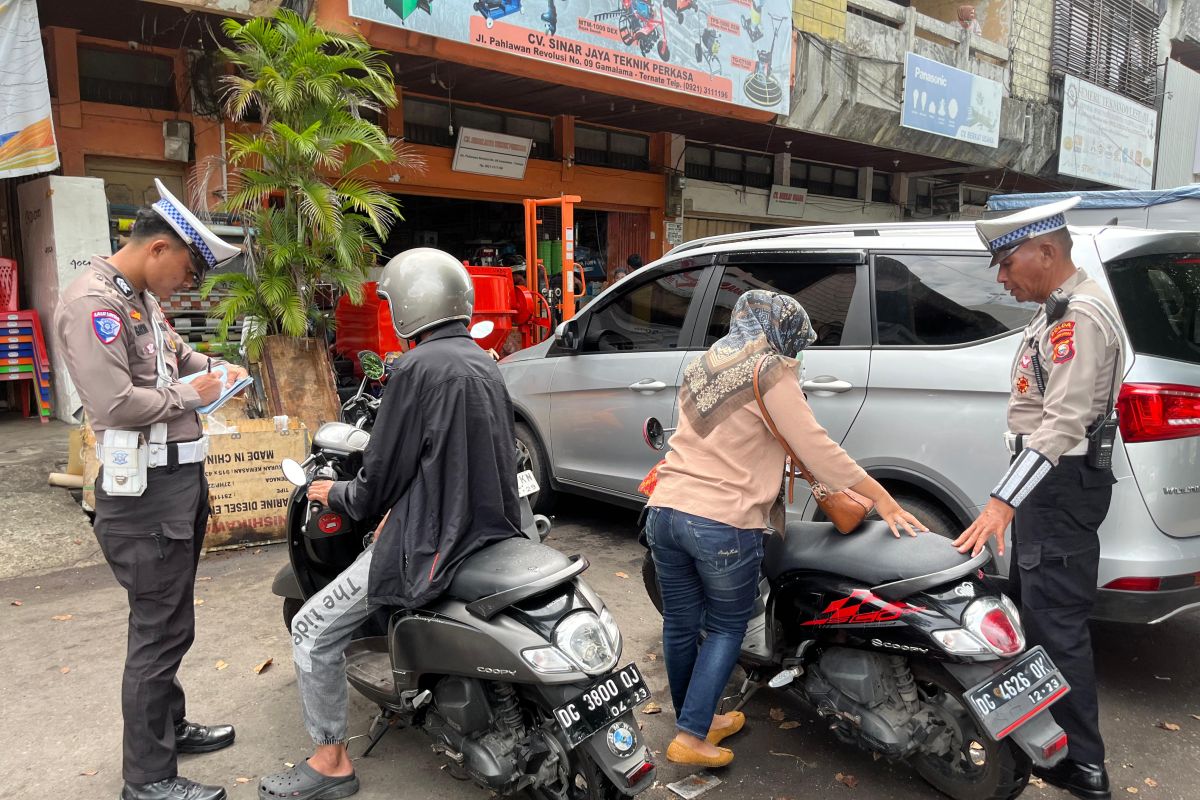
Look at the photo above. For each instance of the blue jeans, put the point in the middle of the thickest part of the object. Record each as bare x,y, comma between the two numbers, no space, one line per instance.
708,575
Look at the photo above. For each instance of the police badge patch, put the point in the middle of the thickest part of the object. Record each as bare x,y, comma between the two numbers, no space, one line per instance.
123,285
1062,342
107,325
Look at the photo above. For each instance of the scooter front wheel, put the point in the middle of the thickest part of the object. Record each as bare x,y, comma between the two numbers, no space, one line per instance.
972,765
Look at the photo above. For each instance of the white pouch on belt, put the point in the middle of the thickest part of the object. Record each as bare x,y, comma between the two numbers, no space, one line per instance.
124,458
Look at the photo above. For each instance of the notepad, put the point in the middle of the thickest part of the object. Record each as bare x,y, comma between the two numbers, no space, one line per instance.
229,391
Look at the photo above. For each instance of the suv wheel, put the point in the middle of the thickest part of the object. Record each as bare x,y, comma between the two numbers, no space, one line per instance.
932,514
530,456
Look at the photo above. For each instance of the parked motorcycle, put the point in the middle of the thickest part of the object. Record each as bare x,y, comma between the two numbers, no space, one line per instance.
906,648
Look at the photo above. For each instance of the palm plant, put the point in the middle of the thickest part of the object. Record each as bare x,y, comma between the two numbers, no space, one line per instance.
298,185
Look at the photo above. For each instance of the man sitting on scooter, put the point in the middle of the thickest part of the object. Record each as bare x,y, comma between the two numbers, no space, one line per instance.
442,464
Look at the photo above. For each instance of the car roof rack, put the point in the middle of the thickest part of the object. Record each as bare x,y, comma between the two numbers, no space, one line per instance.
863,229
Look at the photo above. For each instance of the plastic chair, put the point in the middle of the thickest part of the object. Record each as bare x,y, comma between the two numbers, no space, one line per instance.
8,284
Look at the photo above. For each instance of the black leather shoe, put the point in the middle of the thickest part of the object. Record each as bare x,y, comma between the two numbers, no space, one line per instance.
176,788
1088,781
193,738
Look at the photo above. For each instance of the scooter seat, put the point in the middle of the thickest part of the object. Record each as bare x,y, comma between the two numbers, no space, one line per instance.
505,565
871,554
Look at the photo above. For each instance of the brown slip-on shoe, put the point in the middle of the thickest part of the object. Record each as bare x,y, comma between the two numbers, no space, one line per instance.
682,754
716,735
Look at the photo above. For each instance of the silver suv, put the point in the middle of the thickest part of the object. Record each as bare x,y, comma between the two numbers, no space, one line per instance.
909,372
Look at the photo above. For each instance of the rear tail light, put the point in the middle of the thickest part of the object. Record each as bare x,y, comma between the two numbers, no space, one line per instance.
1154,584
996,623
1151,412
1054,747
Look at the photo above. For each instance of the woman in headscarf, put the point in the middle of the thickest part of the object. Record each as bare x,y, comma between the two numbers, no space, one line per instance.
712,505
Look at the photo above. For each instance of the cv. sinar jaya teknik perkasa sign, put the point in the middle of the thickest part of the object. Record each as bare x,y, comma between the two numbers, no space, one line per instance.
735,51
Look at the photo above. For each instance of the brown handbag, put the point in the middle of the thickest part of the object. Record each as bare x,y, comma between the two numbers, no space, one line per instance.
845,509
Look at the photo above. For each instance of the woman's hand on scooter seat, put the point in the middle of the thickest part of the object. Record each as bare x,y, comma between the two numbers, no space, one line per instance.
318,491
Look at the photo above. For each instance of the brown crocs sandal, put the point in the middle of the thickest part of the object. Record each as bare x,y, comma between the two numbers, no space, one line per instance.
302,782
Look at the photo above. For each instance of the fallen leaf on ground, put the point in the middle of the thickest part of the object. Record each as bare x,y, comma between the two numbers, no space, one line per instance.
209,578
288,764
621,575
777,714
791,724
1195,716
652,708
241,780
1038,782
89,773
16,603
261,668
1153,784
78,541
199,601
847,780
652,656
221,664
1168,726
64,670
1131,789
62,617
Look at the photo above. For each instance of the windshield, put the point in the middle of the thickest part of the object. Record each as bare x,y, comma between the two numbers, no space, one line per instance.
1159,297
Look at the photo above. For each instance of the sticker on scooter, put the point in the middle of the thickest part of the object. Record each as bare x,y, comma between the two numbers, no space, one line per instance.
862,607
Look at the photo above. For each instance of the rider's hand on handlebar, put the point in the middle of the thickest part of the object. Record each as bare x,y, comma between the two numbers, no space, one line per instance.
992,521
318,491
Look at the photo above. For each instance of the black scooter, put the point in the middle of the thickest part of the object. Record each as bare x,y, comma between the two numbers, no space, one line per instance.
906,648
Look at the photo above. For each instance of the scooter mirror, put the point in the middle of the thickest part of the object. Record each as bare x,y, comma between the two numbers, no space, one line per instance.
482,329
372,364
653,433
294,472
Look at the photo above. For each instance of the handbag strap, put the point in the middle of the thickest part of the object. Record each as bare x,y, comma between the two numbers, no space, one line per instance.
796,465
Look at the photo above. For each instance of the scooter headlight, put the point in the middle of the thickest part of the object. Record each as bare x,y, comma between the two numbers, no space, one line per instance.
610,628
581,637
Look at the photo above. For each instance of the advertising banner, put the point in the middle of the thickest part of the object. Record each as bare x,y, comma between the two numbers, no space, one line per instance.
1106,138
27,142
950,102
738,51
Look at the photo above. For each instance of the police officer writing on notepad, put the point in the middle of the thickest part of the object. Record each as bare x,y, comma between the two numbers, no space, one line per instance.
151,495
1061,432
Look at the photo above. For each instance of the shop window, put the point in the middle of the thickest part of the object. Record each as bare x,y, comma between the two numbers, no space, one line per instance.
881,187
825,179
974,196
429,122
825,291
600,147
1111,43
126,78
645,319
728,166
943,300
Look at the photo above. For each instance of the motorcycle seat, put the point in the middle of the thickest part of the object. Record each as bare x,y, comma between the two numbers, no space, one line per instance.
871,554
505,565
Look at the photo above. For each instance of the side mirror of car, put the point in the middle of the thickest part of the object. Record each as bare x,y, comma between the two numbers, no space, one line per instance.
566,335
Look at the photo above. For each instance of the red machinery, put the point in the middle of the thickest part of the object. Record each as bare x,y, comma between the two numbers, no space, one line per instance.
497,299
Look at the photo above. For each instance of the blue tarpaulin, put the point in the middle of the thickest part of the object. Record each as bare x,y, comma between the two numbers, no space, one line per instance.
1123,198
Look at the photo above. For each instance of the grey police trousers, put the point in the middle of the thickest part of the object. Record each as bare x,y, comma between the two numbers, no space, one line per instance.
321,631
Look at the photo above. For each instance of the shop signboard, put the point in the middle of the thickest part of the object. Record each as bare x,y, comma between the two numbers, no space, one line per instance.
495,154
674,233
1106,138
735,52
950,102
787,201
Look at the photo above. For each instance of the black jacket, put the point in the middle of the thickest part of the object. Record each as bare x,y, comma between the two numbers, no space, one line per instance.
442,457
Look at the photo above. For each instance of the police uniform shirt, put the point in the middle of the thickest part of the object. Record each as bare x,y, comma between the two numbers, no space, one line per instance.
108,333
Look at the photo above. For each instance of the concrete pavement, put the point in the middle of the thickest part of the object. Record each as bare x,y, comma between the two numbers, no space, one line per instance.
60,687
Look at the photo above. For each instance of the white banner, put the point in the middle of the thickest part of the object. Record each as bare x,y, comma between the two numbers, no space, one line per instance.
26,131
1106,138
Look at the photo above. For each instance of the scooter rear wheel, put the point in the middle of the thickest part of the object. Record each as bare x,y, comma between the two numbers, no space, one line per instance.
977,767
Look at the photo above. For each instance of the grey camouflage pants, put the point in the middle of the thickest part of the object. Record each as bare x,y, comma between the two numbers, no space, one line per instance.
321,631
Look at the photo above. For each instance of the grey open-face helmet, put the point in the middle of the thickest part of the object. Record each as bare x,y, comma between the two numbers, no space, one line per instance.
425,288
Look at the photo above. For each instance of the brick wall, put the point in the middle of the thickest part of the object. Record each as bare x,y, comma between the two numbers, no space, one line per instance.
1032,23
825,18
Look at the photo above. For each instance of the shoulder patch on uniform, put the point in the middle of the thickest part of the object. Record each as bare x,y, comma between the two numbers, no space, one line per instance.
106,324
123,285
1062,342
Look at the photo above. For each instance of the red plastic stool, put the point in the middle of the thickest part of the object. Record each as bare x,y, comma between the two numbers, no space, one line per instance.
8,284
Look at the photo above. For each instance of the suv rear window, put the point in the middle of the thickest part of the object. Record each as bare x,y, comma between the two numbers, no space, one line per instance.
1159,298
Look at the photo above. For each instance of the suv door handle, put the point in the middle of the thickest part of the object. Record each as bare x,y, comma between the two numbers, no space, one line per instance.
647,385
827,383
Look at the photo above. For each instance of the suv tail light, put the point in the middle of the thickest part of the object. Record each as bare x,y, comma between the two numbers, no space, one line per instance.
1154,584
996,623
1151,412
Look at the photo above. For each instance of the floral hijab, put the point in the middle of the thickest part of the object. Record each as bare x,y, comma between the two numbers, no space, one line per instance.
762,324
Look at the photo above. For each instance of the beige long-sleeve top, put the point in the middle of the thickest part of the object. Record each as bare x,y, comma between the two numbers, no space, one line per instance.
733,474
106,329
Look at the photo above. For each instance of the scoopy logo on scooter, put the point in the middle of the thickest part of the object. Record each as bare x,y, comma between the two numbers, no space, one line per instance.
862,607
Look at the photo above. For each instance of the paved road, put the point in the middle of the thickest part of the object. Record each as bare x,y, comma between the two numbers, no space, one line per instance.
62,729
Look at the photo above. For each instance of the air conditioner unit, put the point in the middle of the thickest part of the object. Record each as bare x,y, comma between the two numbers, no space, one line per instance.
177,140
